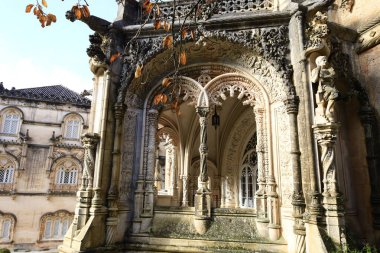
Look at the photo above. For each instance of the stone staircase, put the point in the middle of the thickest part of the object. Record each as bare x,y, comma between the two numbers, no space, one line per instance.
232,230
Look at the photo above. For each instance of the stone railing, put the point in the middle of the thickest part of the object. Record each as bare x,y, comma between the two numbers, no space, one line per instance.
218,7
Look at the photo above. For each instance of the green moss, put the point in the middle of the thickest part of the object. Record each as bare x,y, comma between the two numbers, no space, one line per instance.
4,250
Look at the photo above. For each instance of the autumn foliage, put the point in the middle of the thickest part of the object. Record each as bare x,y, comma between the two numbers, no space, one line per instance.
79,10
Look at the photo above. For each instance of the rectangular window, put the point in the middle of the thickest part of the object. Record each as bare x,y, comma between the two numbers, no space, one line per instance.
65,227
56,229
5,230
47,232
72,129
10,125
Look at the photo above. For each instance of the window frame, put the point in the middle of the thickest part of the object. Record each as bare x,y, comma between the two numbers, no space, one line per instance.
54,226
72,122
14,123
6,236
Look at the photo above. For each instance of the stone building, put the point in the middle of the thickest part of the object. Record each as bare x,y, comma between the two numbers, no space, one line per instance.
275,146
41,164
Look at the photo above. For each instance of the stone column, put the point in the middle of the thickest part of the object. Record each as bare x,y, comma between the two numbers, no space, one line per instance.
168,162
157,173
185,185
261,197
113,192
85,193
147,214
173,176
203,195
326,135
368,120
298,200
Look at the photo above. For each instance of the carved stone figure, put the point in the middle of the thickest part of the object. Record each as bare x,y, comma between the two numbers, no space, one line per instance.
326,94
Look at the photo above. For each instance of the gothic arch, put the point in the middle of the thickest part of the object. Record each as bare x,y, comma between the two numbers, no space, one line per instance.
236,84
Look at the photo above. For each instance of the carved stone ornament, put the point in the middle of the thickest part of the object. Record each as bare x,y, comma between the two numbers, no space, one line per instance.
347,4
270,43
89,141
211,8
317,34
327,94
369,38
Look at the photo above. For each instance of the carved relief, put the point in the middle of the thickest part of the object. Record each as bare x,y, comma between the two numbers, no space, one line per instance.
317,34
347,4
270,45
283,159
235,86
128,156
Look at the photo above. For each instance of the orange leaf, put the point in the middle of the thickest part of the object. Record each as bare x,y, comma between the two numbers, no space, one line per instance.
114,57
52,17
44,3
164,98
78,13
29,8
157,99
183,33
182,58
138,71
48,20
167,26
166,81
42,20
158,10
149,7
157,24
86,11
168,41
193,34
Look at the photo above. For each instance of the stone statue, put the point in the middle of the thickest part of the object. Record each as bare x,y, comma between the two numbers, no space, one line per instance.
326,94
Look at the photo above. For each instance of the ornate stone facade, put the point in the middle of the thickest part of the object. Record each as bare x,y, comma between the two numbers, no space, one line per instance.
253,69
41,164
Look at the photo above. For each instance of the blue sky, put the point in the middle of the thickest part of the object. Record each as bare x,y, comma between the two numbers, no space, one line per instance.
32,56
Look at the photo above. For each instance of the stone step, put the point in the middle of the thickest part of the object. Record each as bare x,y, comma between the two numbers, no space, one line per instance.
145,243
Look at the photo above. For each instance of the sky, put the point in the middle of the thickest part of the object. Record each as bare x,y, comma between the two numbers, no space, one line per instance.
32,56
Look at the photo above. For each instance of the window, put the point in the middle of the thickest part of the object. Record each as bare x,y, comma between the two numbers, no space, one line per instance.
72,126
7,222
72,129
248,175
11,118
247,187
55,225
67,176
6,174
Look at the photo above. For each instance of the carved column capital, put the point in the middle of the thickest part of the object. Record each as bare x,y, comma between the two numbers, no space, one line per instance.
203,111
90,140
292,104
326,133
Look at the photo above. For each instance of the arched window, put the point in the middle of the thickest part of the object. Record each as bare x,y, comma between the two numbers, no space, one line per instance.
6,174
7,170
72,126
11,119
65,175
55,225
7,223
248,175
